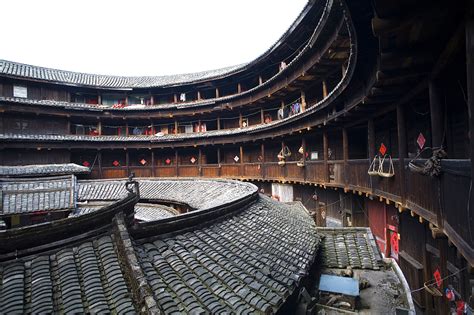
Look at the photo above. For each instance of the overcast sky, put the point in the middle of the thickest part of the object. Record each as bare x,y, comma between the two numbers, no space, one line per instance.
142,37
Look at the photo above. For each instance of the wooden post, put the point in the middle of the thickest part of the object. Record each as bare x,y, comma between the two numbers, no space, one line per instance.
285,169
470,94
127,161
303,145
262,116
402,148
240,120
345,154
325,156
239,88
199,125
218,155
303,101
176,162
126,99
127,133
262,165
99,160
152,100
175,98
260,80
218,123
175,127
443,258
99,128
69,131
198,95
436,114
99,99
200,161
427,276
241,161
217,92
371,138
325,90
153,163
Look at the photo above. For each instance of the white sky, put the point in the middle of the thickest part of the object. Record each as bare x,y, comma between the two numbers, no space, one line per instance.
141,37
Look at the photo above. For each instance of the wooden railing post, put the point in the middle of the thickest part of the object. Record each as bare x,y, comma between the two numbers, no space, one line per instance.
219,161
345,152
303,145
152,163
262,164
241,167
127,161
325,157
200,162
176,162
402,149
99,160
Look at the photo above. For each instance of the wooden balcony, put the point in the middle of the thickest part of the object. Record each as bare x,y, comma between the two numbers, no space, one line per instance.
438,200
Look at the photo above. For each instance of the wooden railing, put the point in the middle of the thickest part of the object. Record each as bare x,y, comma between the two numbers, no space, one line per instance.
440,200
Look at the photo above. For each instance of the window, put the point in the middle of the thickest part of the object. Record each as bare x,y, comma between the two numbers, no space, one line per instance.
20,91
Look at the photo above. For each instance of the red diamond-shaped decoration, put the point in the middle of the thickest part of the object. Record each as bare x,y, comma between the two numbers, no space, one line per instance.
437,276
115,163
86,163
142,161
421,141
383,149
193,160
168,161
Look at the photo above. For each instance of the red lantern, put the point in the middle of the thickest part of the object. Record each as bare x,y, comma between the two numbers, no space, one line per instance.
86,163
167,161
115,163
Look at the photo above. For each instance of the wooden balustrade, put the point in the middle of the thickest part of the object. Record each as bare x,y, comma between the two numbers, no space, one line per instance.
253,170
388,187
230,170
357,176
141,171
294,172
188,171
114,172
274,171
210,171
314,171
165,171
336,173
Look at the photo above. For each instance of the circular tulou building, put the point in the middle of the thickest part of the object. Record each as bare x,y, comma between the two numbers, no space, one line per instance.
330,175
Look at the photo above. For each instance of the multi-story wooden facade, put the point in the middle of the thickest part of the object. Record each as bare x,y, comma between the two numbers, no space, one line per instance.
348,81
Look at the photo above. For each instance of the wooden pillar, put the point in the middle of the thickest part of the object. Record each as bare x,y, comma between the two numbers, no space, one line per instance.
402,148
198,95
371,138
241,161
152,100
69,131
176,162
218,123
325,156
239,88
127,133
153,163
303,145
99,99
200,161
175,127
217,92
427,276
442,243
127,161
199,125
99,160
218,155
175,98
262,166
345,155
262,116
285,169
240,120
470,91
436,114
325,89
126,99
303,101
260,80
99,128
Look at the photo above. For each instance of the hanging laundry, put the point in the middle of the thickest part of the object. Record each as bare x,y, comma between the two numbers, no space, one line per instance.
182,97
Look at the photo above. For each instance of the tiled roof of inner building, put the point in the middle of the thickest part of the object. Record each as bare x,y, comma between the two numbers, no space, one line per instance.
83,279
249,263
39,194
197,193
42,170
354,247
16,69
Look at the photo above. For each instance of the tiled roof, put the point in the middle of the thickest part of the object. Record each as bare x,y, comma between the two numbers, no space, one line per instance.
42,170
354,247
249,263
197,193
16,69
83,279
39,194
151,212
